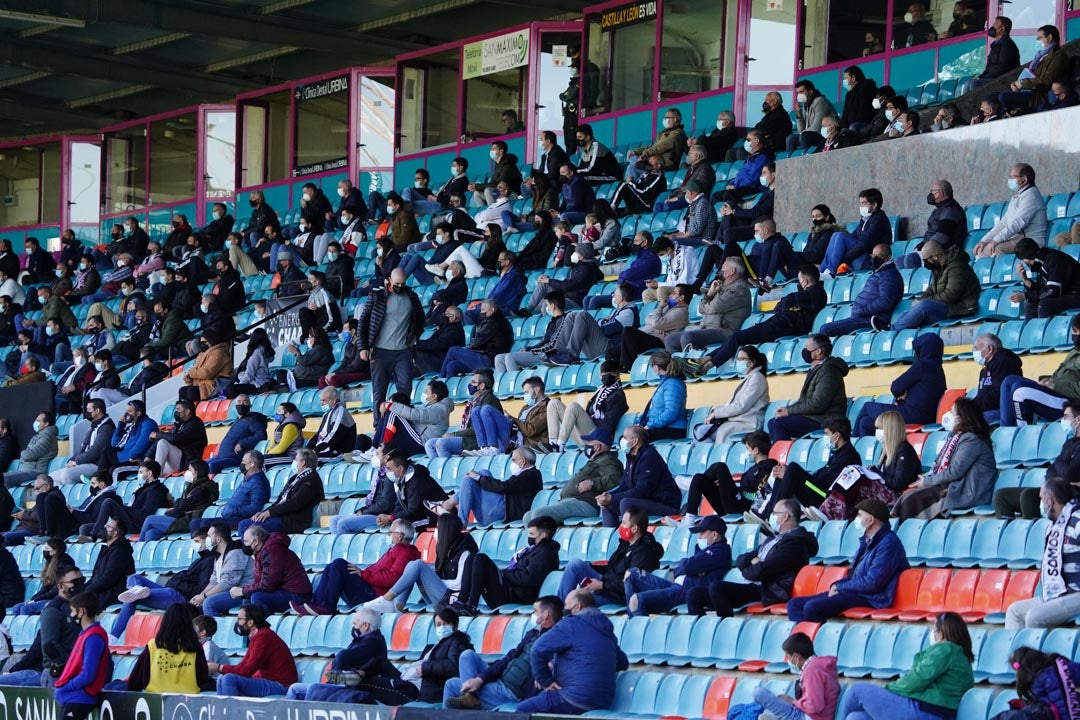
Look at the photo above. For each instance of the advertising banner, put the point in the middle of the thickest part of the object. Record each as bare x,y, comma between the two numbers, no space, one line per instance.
503,52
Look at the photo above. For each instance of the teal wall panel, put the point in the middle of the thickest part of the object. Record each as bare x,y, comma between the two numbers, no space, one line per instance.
829,83
917,68
707,108
603,130
1072,29
634,128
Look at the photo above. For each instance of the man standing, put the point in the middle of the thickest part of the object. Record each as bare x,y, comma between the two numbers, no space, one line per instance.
268,667
88,667
391,322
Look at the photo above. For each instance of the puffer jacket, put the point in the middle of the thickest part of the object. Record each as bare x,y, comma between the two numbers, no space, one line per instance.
585,655
41,449
969,476
431,421
1056,686
823,393
956,284
923,384
373,313
876,568
1066,379
648,477
384,572
881,294
603,469
727,309
278,568
667,408
302,492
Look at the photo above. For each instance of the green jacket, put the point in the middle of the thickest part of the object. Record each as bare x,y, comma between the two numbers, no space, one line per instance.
1066,379
172,329
823,393
956,284
940,675
56,309
605,470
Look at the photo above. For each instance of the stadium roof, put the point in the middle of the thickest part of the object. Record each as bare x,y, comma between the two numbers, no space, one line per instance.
75,65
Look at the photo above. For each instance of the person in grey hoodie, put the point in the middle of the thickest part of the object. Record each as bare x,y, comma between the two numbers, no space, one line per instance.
811,107
35,458
232,568
575,662
406,428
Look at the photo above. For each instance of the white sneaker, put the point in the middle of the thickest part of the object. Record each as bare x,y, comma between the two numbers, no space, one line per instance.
134,594
814,514
488,451
363,457
689,520
381,605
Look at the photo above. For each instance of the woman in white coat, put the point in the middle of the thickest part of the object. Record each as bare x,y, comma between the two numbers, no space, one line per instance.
745,412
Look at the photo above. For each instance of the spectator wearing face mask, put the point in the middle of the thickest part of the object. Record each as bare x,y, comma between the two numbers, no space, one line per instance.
303,491
718,141
449,333
1051,64
351,201
246,431
859,92
340,277
1025,216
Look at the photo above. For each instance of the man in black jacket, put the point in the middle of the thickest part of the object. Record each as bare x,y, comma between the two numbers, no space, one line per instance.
811,489
770,568
40,264
520,582
113,565
492,336
1003,54
552,157
997,363
480,686
95,451
55,639
597,165
505,170
340,273
150,497
720,140
637,549
293,281
12,588
230,287
456,292
213,235
584,274
137,239
351,200
52,515
1051,280
176,448
415,492
449,333
291,512
391,322
491,500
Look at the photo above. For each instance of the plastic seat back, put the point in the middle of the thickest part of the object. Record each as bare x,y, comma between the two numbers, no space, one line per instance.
718,698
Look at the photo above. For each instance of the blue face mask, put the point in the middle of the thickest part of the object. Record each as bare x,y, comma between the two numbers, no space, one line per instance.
898,126
346,337
672,302
228,244
1014,184
747,146
278,417
331,256
50,331
127,232
443,631
530,400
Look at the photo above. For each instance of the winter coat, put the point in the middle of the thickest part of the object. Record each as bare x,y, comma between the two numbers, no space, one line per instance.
800,308
583,276
822,394
647,477
191,581
12,589
748,403
39,451
603,469
645,555
859,103
384,572
190,437
537,252
646,266
249,497
876,568
278,568
134,448
705,566
1056,686
97,447
880,295
492,335
301,494
904,468
727,309
513,669
147,500
923,384
808,116
373,314
415,488
939,676
519,489
211,365
1066,465
970,475
787,554
111,569
776,125
670,145
247,432
315,363
956,284
196,498
749,175
1002,57
510,288
404,230
667,407
608,412
440,663
581,654
1004,363
531,566
949,219
430,421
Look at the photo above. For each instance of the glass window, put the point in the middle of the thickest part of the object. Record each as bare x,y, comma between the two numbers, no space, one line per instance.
487,96
125,176
914,24
693,51
20,173
1031,14
772,43
84,183
322,125
376,122
172,159
50,184
622,44
841,30
429,102
255,121
220,171
965,17
563,84
265,142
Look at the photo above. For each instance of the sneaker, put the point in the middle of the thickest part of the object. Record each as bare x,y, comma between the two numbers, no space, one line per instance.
487,451
134,594
299,608
381,605
471,453
84,539
814,514
464,701
826,275
464,609
844,269
363,457
313,609
37,540
752,517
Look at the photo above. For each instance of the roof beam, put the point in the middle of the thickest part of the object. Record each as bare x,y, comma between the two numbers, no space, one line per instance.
147,44
107,96
24,106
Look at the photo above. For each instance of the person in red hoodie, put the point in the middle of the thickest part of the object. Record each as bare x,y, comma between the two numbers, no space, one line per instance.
343,579
816,691
89,666
278,576
268,667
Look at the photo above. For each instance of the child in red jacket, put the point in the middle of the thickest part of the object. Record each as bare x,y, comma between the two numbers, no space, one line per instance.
816,691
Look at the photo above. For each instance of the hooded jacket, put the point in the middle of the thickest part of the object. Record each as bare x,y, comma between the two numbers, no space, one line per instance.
956,284
645,555
278,568
880,295
581,654
820,688
784,556
430,421
923,384
647,477
823,393
970,474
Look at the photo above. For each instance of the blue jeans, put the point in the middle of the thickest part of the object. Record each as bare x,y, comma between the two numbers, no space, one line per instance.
668,205
29,608
443,447
271,524
791,426
573,217
491,695
154,527
222,462
239,686
220,604
549,702
821,607
782,710
99,296
612,514
413,265
349,524
27,678
461,360
492,427
576,571
276,601
596,302
925,312
1023,399
418,572
16,537
866,701
845,326
655,595
377,206
160,598
297,691
486,506
426,207
841,245
338,582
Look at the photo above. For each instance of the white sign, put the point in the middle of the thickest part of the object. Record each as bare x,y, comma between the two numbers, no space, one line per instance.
495,54
559,56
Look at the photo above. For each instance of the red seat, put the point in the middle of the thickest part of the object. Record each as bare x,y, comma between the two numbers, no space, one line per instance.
425,543
931,596
1021,586
947,400
209,451
917,440
718,698
989,592
907,596
832,574
399,640
810,629
805,584
493,635
779,450
961,595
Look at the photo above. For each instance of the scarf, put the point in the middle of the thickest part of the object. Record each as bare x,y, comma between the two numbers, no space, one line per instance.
292,484
128,429
945,454
80,277
1043,52
1053,561
469,405
599,400
519,556
1068,688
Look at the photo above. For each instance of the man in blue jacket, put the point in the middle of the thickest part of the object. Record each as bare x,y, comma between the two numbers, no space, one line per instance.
246,432
131,438
646,485
247,499
481,686
871,580
577,195
874,305
575,663
508,292
648,595
644,267
748,181
852,249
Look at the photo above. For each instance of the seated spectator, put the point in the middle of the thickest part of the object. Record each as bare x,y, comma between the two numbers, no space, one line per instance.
700,173
425,201
322,309
666,319
505,170
185,442
947,224
637,548
95,453
113,564
638,194
698,226
853,249
737,223
268,667
552,157
644,267
101,489
948,116
682,268
303,491
604,408
811,107
212,371
835,137
492,336
757,153
669,147
916,29
278,577
233,568
1049,65
131,439
40,263
793,315
407,428
246,431
577,195
745,412
552,347
1062,95
466,437
646,486
648,595
424,680
12,588
810,489
378,504
597,165
1002,55
54,552
718,487
664,417
917,391
336,434
603,337
1069,237
817,690
247,498
454,549
874,305
174,660
180,588
480,686
200,492
522,578
1025,216
352,368
584,274
49,518
717,142
343,580
989,111
897,468
510,288
963,473
1066,466
545,199
997,363
887,106
54,623
1060,590
953,291
932,688
1043,680
288,436
871,579
599,475
429,352
312,364
724,309
1051,280
822,394
489,500
149,497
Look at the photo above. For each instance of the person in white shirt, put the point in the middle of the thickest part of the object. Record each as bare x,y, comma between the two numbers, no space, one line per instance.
1025,216
10,287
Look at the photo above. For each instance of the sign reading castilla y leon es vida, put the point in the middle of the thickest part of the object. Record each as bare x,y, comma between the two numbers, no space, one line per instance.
625,15
495,54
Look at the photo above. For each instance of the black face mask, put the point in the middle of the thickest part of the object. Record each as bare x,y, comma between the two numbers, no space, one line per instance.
817,223
765,107
240,630
117,235
249,551
992,32
356,634
930,199
532,541
930,265
243,410
589,451
252,203
807,355
609,378
876,262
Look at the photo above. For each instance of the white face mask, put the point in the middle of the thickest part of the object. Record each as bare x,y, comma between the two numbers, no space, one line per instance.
879,435
864,211
295,467
341,192
826,131
800,98
720,125
668,123
189,477
515,469
217,215
307,196
79,361
876,101
948,421
575,258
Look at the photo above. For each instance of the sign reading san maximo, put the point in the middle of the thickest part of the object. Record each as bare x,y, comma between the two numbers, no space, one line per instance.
502,52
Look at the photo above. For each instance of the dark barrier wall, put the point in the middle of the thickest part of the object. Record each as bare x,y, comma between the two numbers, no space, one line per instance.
21,404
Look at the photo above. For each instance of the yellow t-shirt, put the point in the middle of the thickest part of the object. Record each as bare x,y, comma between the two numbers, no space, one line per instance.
171,672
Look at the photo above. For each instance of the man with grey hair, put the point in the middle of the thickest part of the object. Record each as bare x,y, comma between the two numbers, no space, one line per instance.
303,491
724,309
492,336
1025,216
364,657
342,579
747,182
720,140
996,363
449,333
337,430
491,500
277,577
699,172
698,226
